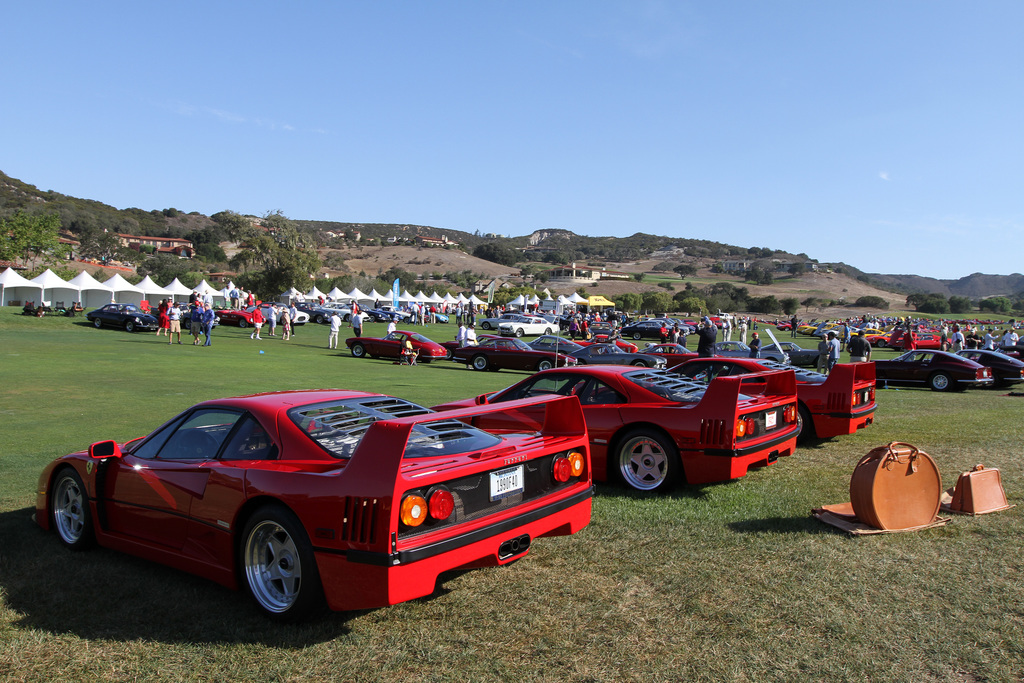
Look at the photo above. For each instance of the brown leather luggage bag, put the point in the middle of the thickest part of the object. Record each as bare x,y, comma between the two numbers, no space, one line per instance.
896,487
978,492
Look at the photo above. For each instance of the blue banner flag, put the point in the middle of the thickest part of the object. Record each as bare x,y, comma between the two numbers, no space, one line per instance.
394,293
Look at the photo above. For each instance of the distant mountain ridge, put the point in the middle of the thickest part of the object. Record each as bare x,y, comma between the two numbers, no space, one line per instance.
16,194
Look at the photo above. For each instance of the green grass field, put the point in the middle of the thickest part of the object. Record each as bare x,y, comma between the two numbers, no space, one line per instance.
730,581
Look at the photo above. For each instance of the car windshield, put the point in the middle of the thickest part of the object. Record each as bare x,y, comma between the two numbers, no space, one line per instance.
420,338
339,427
667,385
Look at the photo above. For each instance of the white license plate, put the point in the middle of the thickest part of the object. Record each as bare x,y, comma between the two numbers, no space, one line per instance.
505,483
770,420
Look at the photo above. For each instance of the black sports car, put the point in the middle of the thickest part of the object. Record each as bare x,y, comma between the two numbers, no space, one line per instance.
798,355
1005,370
126,316
610,354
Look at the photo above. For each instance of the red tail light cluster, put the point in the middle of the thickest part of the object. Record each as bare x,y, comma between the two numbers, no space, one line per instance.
789,413
439,504
565,467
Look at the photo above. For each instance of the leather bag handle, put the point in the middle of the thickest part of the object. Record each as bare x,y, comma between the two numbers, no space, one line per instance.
895,452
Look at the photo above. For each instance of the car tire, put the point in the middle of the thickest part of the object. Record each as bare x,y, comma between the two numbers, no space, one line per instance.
242,323
520,332
940,381
278,566
639,363
636,335
97,323
319,319
485,325
129,326
479,362
547,330
69,510
647,461
544,365
881,343
806,432
347,317
358,350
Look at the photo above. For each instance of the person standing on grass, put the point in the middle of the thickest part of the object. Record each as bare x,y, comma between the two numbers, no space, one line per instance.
833,350
293,315
392,326
208,319
286,324
195,320
163,320
174,318
357,323
755,346
859,348
257,322
822,364
272,319
706,336
792,327
332,337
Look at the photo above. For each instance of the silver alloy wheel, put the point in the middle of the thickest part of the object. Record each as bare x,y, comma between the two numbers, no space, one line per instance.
129,326
97,323
940,381
68,506
544,365
643,463
480,362
273,568
358,350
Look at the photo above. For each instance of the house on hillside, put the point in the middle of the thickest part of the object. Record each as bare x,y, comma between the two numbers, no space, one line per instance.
573,275
180,247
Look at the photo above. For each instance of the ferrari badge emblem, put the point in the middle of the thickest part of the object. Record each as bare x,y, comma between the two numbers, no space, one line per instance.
89,466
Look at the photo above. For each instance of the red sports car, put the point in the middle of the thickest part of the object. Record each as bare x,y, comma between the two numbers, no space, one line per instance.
357,500
937,370
830,405
651,427
508,353
391,346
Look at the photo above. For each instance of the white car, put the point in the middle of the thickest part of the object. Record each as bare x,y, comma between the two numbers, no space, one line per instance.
495,323
322,314
522,325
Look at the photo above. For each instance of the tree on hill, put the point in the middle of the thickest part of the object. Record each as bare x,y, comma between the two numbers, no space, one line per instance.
960,304
690,304
630,301
872,302
656,302
271,262
27,235
497,253
790,305
685,270
996,304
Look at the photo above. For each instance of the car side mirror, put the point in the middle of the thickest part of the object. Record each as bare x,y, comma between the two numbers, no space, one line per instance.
105,449
481,399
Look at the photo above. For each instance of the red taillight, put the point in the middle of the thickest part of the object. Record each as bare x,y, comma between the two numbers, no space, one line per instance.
871,391
561,469
741,427
751,426
789,413
440,504
414,510
576,463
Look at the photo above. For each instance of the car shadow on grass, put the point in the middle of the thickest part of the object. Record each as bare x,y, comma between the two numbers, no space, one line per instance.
105,594
774,525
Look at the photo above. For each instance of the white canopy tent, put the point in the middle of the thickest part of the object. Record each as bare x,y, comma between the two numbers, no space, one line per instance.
92,292
335,294
15,287
123,291
54,286
461,298
357,295
421,297
435,298
449,299
292,293
375,296
518,302
575,298
152,289
315,294
476,300
177,289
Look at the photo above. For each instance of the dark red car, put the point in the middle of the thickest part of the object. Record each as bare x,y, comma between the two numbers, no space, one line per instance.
674,354
391,346
840,402
346,498
508,353
651,428
937,370
1006,371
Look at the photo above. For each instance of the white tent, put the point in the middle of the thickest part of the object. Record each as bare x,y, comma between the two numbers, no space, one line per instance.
54,286
518,302
315,294
335,294
476,300
421,297
575,298
435,298
93,293
374,295
357,295
449,299
16,287
204,288
462,298
406,297
177,289
292,293
152,289
123,291
533,300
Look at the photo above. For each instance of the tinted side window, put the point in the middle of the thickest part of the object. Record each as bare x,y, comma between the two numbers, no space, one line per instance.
200,436
250,442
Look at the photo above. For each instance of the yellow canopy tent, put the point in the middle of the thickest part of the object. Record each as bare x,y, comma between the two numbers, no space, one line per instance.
598,300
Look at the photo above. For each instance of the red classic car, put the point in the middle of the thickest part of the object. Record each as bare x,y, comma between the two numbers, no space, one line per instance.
937,370
922,339
508,353
674,354
346,498
651,428
840,402
391,346
243,317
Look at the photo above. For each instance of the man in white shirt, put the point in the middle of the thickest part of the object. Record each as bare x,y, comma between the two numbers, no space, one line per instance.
470,337
392,326
332,338
1010,338
460,336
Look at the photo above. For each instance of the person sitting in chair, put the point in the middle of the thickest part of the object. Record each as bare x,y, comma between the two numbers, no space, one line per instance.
408,352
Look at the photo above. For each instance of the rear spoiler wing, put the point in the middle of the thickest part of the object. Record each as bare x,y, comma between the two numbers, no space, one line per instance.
780,383
848,374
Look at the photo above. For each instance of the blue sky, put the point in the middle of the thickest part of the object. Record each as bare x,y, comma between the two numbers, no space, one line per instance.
887,135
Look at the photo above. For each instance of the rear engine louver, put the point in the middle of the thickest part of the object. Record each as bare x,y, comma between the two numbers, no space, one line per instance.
712,432
359,522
